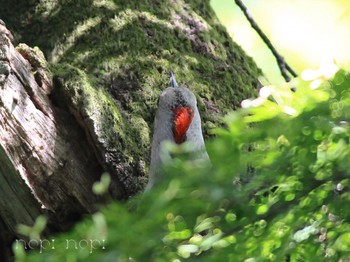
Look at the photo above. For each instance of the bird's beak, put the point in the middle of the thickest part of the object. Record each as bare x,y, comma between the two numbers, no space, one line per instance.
173,82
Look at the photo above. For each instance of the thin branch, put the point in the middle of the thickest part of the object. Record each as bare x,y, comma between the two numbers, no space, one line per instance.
284,67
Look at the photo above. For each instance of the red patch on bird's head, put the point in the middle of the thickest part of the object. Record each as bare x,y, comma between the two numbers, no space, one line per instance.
182,119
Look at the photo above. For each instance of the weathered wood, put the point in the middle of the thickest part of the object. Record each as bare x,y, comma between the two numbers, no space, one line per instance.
17,204
42,147
15,196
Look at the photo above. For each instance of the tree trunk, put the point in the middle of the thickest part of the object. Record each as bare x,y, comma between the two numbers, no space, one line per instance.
109,61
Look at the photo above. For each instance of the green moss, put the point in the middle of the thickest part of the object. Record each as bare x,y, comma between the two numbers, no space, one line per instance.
96,104
34,55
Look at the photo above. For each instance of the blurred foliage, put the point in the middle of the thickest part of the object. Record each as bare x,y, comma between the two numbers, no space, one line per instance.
277,190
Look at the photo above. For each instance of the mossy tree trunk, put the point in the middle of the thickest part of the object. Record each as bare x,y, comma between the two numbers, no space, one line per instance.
94,113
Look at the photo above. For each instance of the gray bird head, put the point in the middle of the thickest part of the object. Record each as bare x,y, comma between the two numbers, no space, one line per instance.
176,96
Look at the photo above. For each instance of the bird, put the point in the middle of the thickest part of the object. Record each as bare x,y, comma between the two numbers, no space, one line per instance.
178,121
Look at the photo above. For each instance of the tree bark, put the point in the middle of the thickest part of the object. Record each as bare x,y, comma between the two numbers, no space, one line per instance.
45,160
109,60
